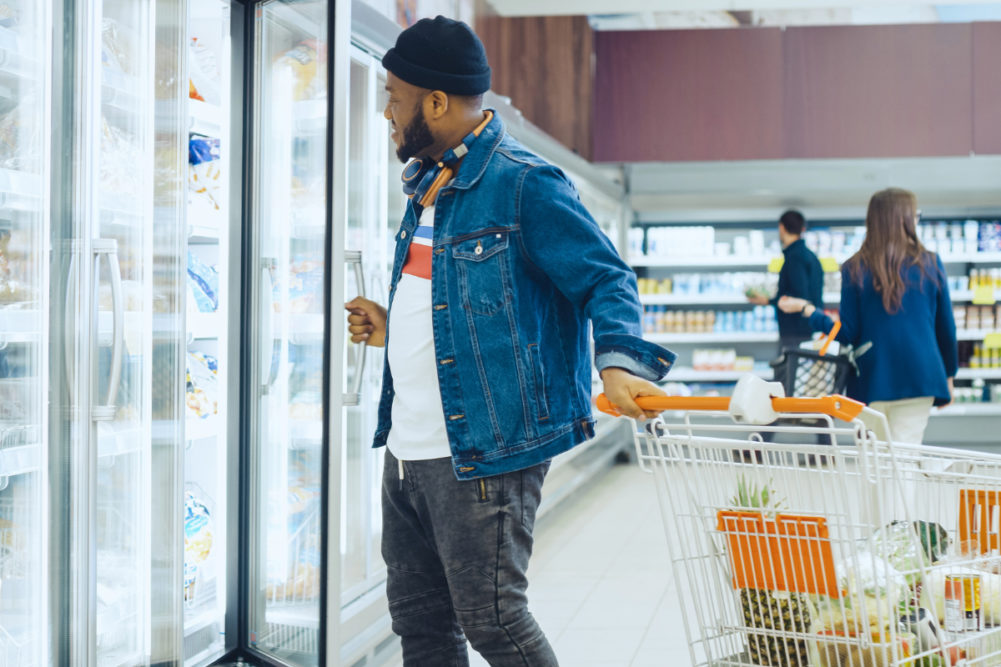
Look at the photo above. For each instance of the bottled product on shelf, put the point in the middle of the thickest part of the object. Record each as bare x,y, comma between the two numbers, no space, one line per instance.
662,319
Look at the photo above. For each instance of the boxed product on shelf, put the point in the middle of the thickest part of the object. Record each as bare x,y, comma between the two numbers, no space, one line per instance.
205,183
202,385
203,285
205,80
197,540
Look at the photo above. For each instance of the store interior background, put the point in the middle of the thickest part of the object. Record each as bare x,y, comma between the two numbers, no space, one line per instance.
706,117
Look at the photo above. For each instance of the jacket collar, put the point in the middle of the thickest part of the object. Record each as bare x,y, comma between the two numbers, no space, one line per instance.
475,162
794,246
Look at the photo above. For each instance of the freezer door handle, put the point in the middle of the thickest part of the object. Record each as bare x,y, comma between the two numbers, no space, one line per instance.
267,339
109,249
353,397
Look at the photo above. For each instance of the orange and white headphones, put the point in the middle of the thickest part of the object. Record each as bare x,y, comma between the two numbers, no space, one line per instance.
423,178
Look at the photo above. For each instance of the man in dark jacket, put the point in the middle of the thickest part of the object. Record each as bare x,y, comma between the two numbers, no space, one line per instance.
801,276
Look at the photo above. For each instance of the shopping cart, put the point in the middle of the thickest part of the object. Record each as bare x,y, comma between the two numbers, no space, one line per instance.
813,373
871,557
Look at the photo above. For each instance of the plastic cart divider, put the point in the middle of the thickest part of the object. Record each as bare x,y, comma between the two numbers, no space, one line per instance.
978,520
838,406
786,553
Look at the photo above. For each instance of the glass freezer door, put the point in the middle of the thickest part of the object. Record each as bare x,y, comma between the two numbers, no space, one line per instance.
24,238
287,324
109,336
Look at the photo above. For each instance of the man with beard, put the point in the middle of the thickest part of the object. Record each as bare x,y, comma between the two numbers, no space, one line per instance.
498,271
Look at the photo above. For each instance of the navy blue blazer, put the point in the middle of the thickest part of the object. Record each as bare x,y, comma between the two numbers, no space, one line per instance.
913,351
801,276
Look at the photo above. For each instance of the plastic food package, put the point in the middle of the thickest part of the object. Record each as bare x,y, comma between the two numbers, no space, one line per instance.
119,157
202,385
204,176
203,282
205,81
19,139
933,592
308,65
306,286
8,14
116,51
197,540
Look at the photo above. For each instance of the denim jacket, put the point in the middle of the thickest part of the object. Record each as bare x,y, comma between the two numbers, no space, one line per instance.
519,268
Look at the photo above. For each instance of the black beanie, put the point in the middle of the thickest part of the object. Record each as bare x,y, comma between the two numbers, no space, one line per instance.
440,54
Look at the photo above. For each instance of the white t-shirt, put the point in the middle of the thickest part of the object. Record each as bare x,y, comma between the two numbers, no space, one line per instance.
418,430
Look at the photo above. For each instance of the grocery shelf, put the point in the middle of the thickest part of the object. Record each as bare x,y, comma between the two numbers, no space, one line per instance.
306,328
20,460
687,374
763,261
114,439
688,261
205,326
20,183
205,118
310,115
305,432
968,410
199,234
714,337
118,101
711,299
196,428
978,373
967,295
19,326
973,334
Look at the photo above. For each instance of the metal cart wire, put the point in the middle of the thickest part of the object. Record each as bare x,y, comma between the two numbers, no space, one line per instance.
818,555
813,373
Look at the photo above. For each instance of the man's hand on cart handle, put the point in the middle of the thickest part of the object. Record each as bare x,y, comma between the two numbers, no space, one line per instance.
366,322
622,388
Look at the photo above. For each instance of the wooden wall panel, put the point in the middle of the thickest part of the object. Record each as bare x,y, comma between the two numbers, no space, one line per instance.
987,88
688,95
544,65
878,91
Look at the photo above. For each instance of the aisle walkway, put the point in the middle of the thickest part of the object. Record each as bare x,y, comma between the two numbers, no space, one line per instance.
600,581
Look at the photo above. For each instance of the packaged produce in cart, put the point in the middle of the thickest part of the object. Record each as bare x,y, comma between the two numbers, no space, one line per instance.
861,553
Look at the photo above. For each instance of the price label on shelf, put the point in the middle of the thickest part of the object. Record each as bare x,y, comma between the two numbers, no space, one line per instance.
775,265
992,340
984,296
829,264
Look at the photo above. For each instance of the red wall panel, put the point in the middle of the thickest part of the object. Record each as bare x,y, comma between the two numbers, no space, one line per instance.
878,91
688,95
987,88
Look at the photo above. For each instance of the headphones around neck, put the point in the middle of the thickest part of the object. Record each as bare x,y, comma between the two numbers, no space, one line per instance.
423,178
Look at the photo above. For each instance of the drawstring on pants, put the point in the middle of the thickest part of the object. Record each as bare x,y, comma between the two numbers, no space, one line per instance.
401,473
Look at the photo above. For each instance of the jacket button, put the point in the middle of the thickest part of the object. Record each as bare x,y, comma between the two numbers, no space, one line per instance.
403,234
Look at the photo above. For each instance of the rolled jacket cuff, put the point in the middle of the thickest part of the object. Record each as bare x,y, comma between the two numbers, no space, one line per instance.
641,358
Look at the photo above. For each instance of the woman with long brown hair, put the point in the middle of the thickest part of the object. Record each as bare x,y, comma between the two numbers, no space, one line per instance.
894,294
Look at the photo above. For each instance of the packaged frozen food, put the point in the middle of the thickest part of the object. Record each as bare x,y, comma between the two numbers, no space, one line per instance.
204,174
197,540
933,593
20,145
119,157
116,49
203,67
202,385
8,14
307,62
203,281
306,286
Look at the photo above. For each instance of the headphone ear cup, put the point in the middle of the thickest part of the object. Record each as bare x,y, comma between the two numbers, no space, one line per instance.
413,175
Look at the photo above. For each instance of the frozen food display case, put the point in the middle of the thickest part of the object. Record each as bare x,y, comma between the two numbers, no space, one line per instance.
288,265
24,334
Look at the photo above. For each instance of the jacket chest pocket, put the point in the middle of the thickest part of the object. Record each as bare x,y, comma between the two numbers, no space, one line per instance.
482,269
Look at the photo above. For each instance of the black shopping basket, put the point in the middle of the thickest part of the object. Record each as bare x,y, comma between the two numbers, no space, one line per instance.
810,373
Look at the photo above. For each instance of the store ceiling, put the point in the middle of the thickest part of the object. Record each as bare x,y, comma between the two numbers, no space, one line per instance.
680,14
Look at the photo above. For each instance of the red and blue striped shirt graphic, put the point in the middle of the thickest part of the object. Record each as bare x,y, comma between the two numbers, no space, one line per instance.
419,256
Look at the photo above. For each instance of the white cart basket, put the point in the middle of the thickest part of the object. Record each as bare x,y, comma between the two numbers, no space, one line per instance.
858,553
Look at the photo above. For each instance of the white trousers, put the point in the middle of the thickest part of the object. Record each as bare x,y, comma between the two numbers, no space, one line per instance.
907,419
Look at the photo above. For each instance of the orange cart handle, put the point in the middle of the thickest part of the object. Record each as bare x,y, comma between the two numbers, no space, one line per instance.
834,332
842,407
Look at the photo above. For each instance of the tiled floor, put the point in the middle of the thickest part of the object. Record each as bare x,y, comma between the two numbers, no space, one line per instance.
600,582
600,578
